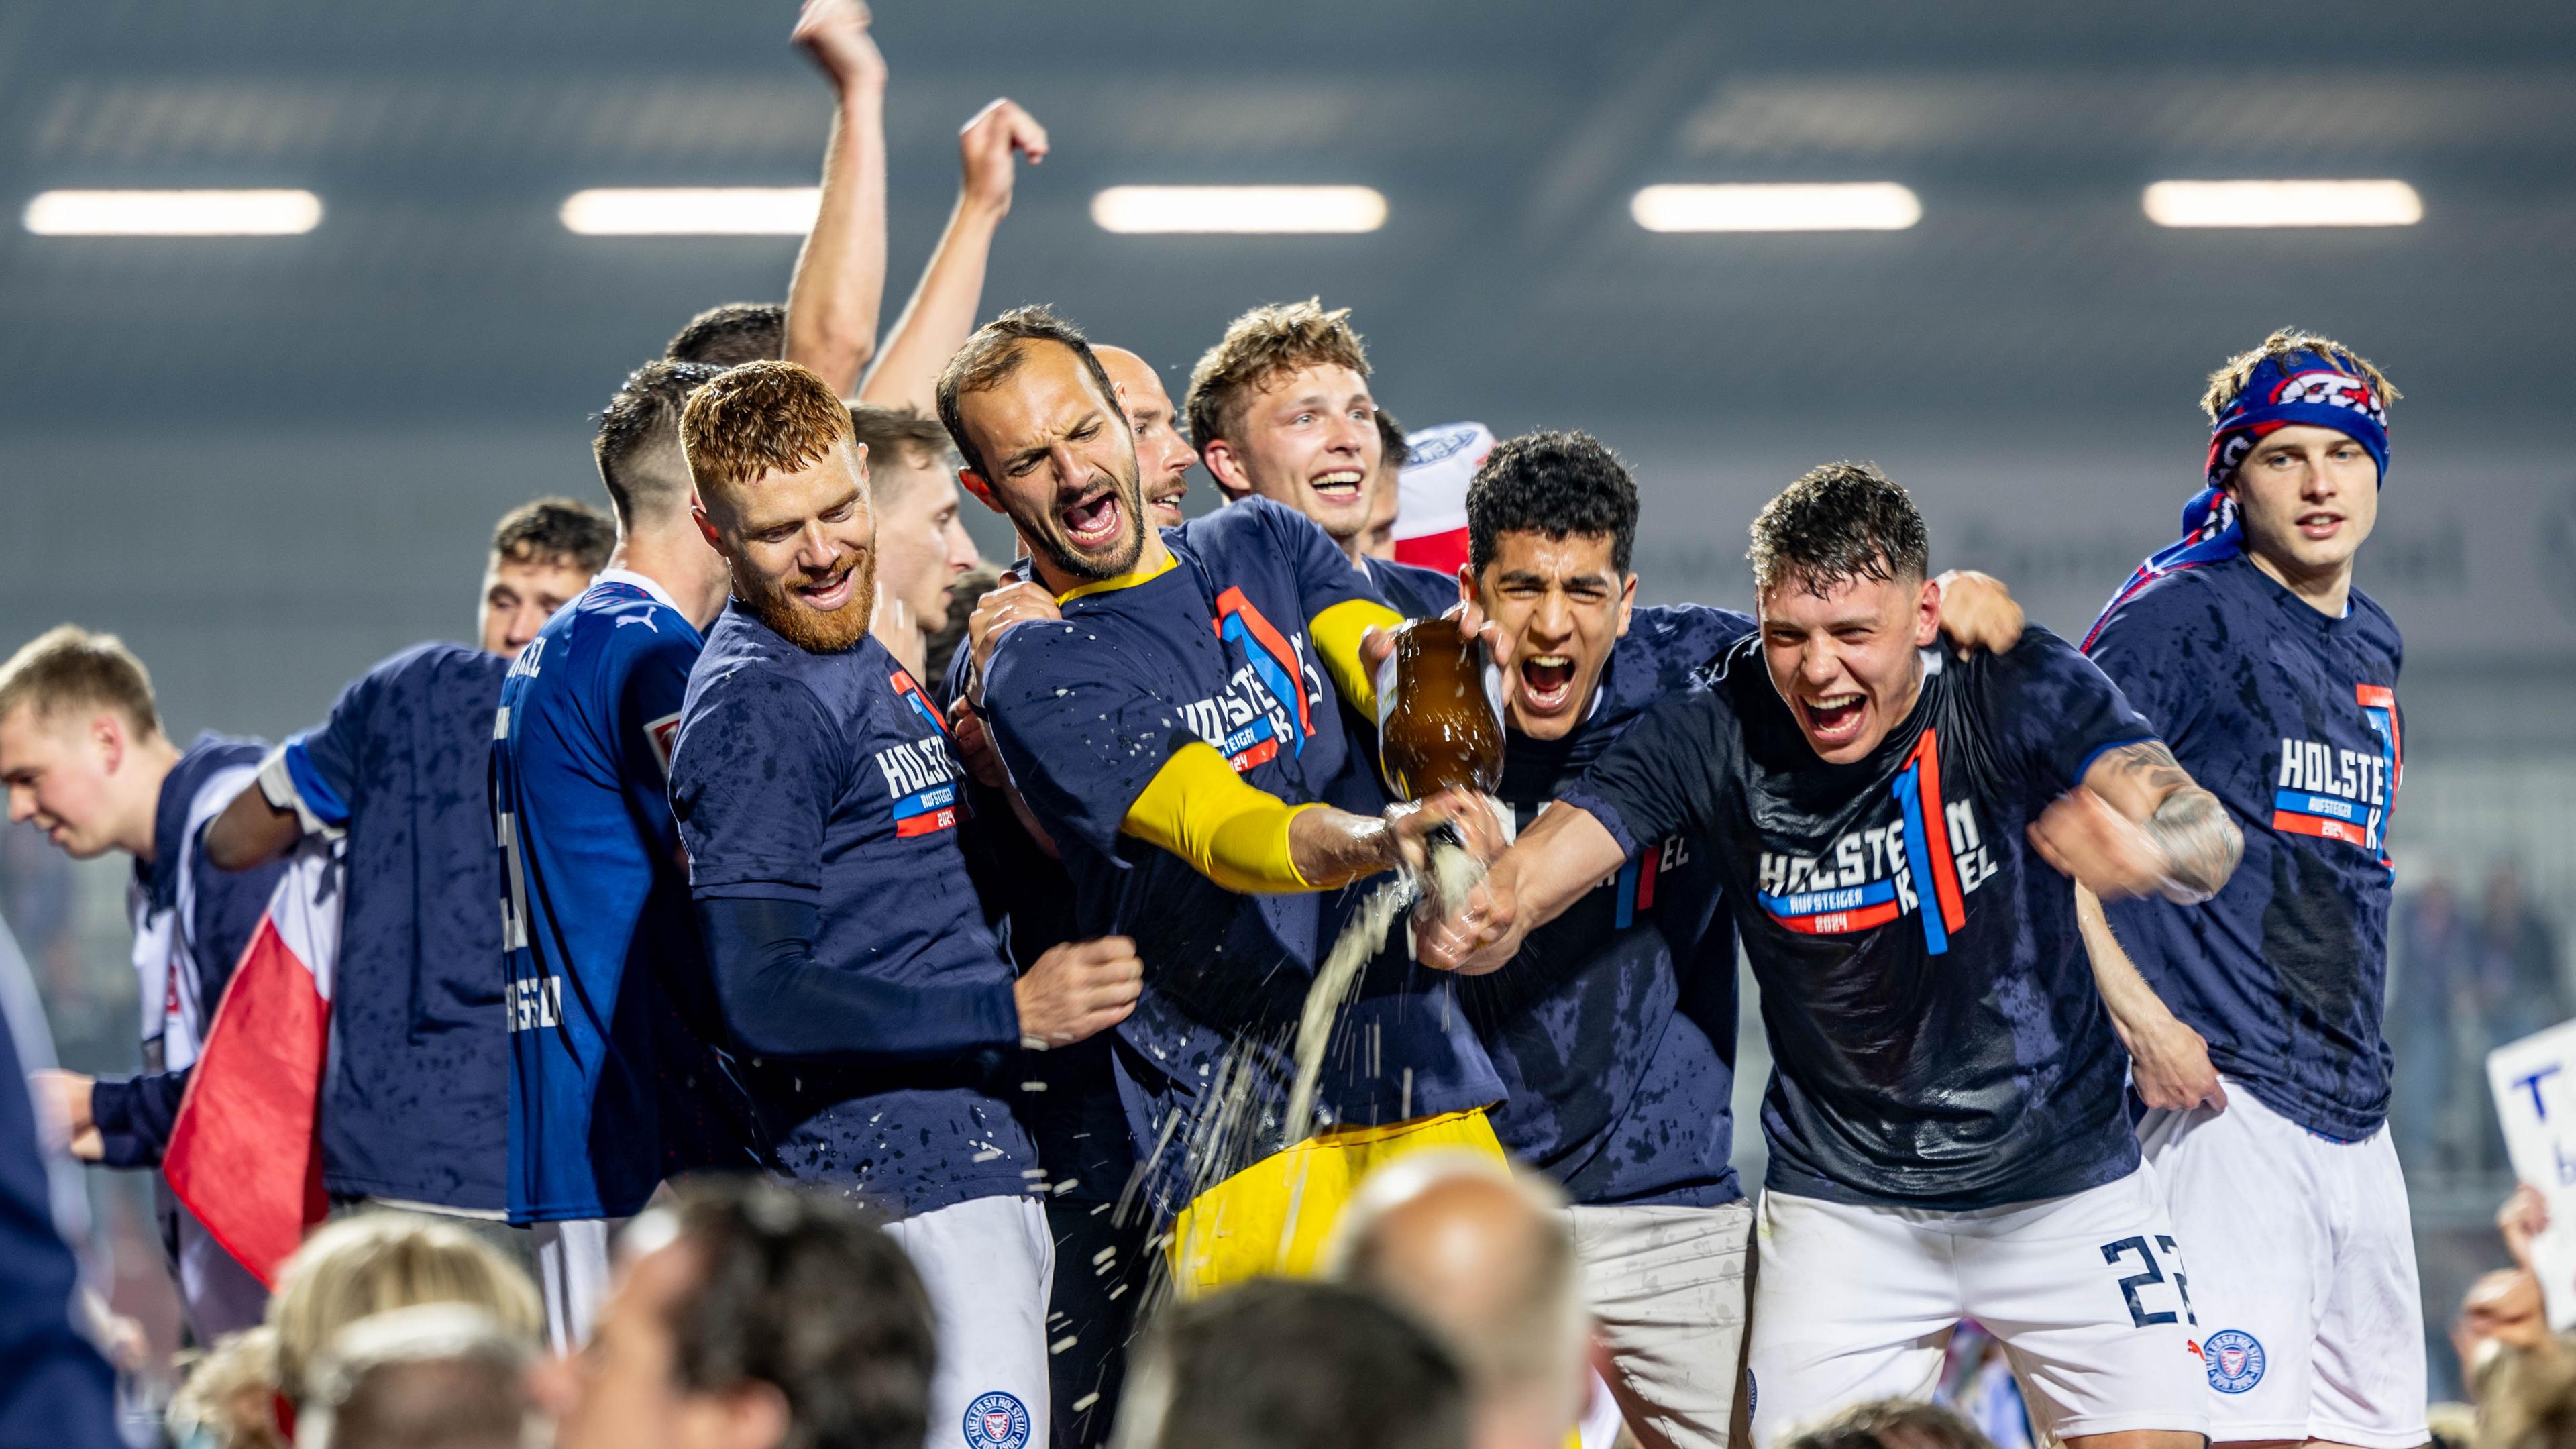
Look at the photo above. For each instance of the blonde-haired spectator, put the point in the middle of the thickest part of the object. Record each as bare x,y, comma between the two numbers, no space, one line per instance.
375,1262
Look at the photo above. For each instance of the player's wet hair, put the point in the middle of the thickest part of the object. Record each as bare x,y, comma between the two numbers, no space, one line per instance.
1281,1363
1261,344
1392,450
638,446
896,439
1559,484
556,530
1837,523
2230,379
1895,1424
68,667
993,354
760,418
733,334
801,1292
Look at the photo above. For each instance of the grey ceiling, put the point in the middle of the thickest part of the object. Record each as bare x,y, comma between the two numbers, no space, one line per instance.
1509,282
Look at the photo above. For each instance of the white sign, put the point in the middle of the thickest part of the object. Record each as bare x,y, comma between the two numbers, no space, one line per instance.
2534,1081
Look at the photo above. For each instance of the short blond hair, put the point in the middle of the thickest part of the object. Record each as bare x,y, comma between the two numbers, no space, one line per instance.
759,418
1261,344
374,1262
2231,378
68,667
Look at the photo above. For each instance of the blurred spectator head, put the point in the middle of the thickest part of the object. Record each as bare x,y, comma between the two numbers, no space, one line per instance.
230,1398
1894,1424
733,334
2527,1397
749,1315
638,446
1483,1257
543,554
1386,486
1291,1364
374,1262
73,708
922,547
439,1376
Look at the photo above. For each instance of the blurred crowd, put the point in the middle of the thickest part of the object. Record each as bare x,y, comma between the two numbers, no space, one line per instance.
2475,964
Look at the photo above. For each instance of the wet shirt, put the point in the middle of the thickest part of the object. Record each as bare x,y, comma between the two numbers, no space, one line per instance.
2291,718
1614,1029
1410,589
1087,710
1938,1038
612,1087
827,780
415,1099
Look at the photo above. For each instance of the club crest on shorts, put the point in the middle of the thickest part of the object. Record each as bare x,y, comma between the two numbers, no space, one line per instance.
2235,1360
996,1421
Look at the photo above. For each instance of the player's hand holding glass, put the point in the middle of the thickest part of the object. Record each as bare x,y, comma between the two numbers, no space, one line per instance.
1077,991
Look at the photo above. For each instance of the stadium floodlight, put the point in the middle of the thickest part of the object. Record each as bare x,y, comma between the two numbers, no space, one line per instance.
1798,206
692,210
1242,210
2283,203
173,213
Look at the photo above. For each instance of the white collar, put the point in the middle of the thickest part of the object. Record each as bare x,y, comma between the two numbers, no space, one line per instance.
660,594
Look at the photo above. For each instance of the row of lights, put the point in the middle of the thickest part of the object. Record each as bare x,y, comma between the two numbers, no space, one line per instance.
1145,210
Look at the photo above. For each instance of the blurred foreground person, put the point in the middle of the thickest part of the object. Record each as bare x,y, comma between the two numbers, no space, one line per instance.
2254,1019
356,1267
83,756
1894,1424
1277,1363
1483,1257
436,1376
415,1092
753,1315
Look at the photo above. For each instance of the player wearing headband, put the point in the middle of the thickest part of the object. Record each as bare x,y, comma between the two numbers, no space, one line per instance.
2267,1081
1946,1121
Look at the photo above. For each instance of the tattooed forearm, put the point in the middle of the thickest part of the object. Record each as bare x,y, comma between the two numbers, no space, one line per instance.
2200,843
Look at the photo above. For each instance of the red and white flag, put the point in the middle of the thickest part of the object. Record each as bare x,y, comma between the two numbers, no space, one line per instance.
243,1155
1431,502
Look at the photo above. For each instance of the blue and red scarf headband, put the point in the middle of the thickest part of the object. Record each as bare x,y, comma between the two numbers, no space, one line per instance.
2314,388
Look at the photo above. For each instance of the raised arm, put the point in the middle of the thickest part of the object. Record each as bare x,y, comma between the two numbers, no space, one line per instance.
2167,1059
839,284
1565,853
2138,825
943,308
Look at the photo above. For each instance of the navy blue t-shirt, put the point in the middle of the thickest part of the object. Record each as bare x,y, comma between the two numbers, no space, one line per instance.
614,1083
2291,718
55,1389
135,1114
827,780
416,1098
1937,1038
1086,712
1614,1029
1410,589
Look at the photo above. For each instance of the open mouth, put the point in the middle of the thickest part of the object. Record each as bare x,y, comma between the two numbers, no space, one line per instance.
1836,717
2320,525
1547,683
1093,523
1342,486
829,592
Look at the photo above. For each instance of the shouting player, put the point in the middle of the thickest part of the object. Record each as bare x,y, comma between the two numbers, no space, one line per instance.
84,757
818,800
416,1091
1174,734
2267,1080
1946,1118
611,1087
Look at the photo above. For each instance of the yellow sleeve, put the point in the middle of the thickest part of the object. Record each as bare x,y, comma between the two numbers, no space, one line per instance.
1199,809
1336,633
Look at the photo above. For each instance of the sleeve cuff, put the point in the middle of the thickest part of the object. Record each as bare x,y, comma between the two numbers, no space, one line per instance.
1602,810
755,890
288,781
115,1107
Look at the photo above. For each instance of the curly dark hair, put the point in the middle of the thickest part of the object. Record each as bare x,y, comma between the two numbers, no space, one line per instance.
733,334
1559,484
802,1292
1837,523
556,530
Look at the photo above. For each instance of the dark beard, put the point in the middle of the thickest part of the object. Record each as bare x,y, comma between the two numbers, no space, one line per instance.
1045,534
810,629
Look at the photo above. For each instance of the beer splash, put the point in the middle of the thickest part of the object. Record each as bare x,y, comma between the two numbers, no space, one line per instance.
1451,873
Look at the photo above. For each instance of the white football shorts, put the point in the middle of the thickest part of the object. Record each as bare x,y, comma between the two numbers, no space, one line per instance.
2303,1269
1856,1302
987,1264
